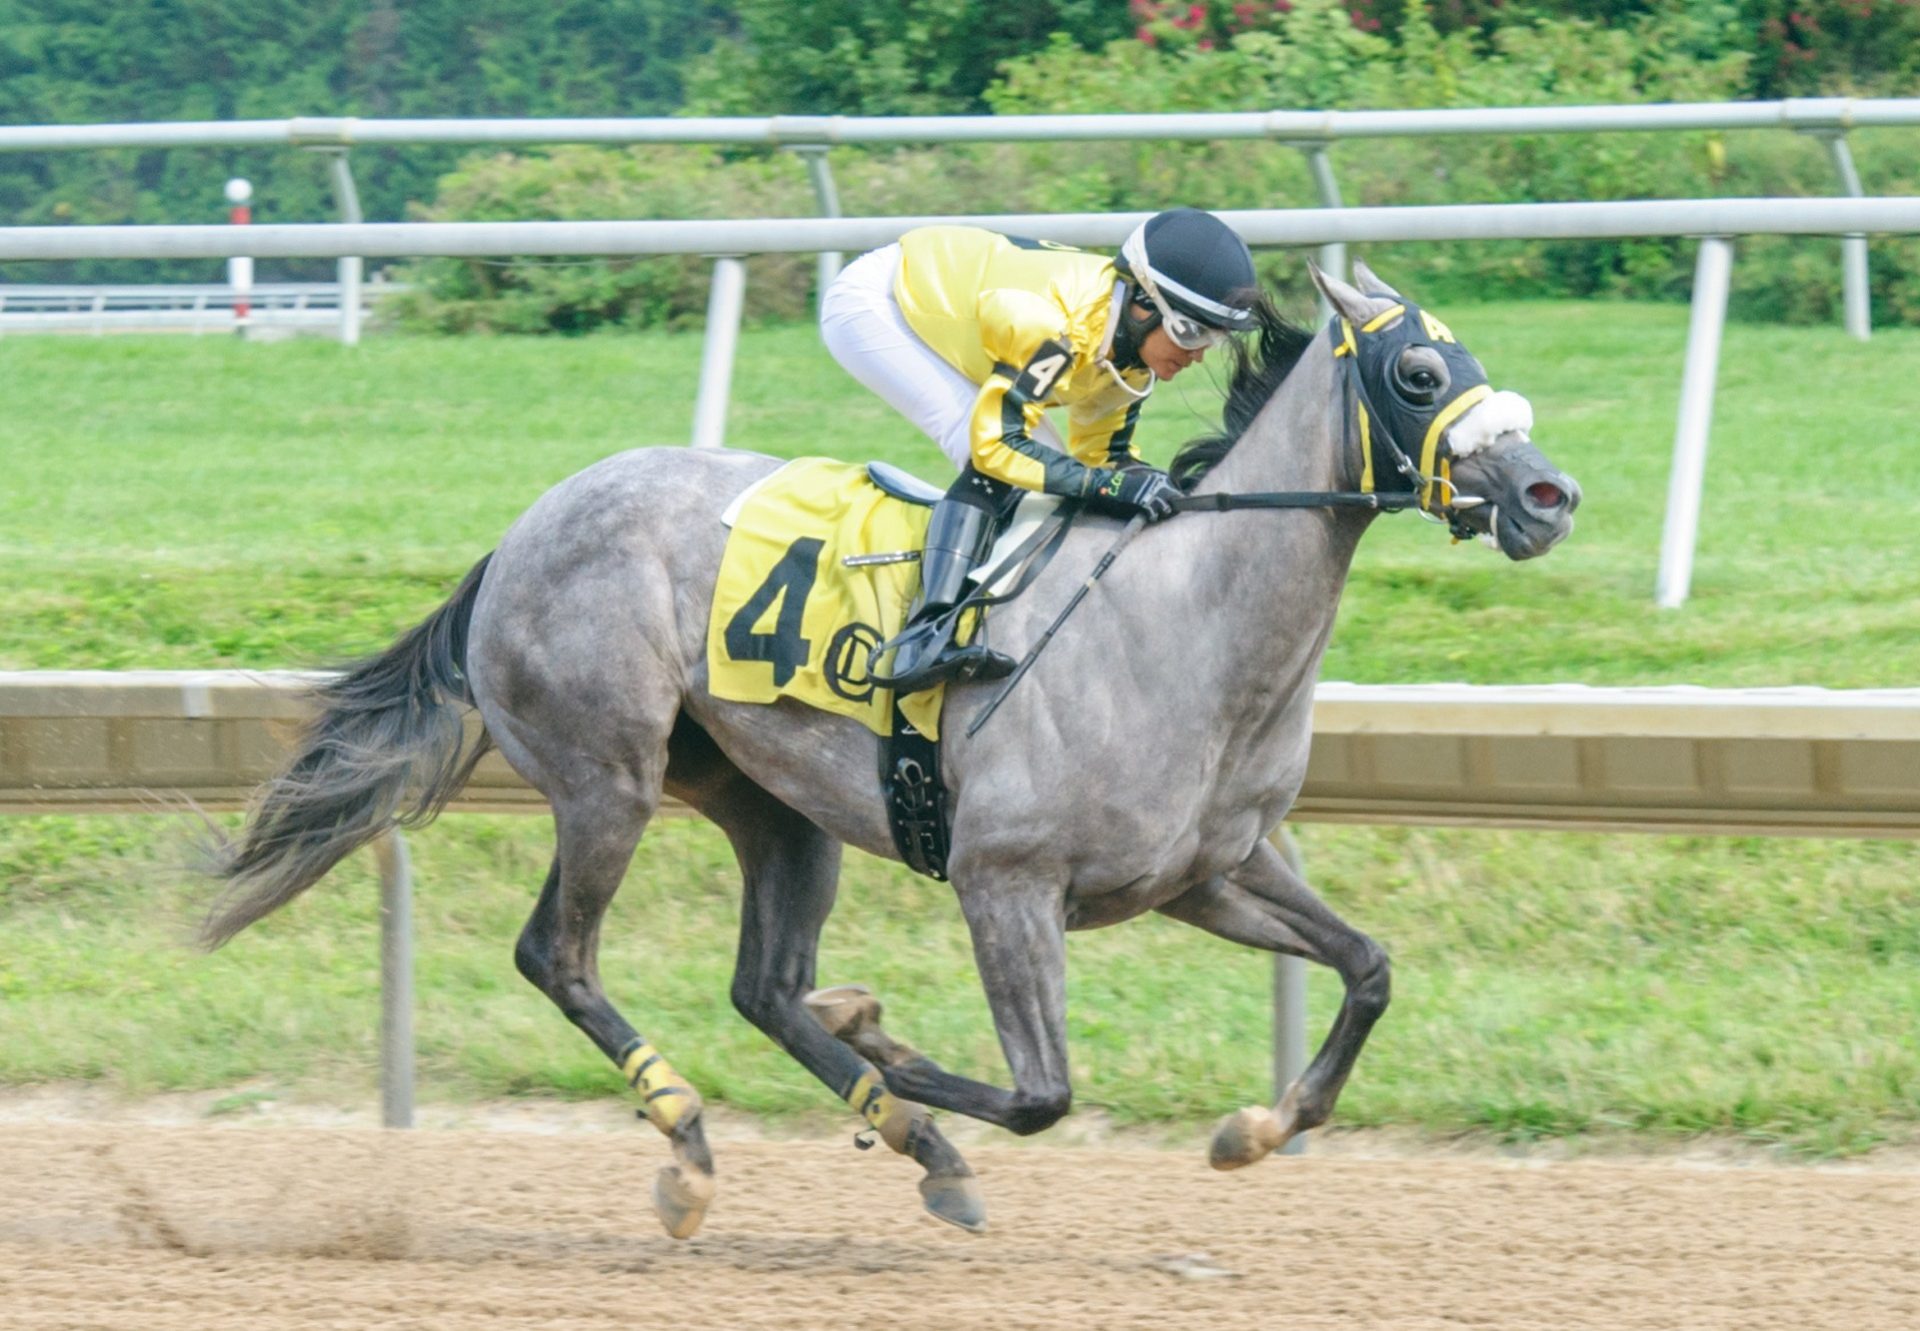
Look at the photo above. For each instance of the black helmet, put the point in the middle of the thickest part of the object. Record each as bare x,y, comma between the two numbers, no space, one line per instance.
1196,273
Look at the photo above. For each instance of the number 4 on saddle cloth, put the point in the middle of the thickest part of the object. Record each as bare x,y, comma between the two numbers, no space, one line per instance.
821,567
792,619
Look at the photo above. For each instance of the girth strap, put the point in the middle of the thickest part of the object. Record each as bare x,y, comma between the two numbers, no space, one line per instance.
910,762
916,797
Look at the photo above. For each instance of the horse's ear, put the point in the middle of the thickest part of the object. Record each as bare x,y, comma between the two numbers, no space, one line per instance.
1346,300
1370,282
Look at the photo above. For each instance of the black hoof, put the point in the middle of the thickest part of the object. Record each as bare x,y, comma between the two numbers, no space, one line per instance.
955,1199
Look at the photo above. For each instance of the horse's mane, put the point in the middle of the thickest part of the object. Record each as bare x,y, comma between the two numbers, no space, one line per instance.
1259,366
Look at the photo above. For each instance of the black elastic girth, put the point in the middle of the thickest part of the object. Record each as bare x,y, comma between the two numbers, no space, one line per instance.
916,797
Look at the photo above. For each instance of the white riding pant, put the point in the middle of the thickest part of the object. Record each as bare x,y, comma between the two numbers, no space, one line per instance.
861,323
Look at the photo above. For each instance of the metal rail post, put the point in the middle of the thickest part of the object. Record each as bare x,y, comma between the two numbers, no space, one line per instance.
725,300
1333,255
821,172
1853,245
396,981
239,192
1710,279
1289,1002
347,199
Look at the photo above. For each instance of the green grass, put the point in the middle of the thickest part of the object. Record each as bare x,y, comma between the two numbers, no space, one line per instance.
180,502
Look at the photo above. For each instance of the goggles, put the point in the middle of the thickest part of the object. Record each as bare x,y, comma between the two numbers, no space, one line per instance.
1188,333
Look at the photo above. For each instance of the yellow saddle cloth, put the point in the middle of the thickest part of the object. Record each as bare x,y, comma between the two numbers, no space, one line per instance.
791,620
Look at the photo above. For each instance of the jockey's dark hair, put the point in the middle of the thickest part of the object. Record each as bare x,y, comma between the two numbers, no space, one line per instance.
1260,363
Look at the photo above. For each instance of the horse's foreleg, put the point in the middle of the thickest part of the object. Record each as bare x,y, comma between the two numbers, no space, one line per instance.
1020,950
792,871
1264,904
558,951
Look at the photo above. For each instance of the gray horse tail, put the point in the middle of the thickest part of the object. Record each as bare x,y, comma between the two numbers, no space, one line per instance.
387,750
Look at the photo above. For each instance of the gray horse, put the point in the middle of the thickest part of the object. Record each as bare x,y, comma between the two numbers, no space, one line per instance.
1140,765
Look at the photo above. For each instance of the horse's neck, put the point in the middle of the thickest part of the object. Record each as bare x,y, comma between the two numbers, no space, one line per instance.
1278,574
1297,440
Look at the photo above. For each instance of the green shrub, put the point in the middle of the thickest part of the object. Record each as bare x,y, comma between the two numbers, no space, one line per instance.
1311,55
591,184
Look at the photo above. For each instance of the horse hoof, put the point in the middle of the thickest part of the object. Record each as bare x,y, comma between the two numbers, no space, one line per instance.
844,1009
1244,1137
680,1198
956,1199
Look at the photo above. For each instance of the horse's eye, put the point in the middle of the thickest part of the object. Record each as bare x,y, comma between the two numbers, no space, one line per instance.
1421,375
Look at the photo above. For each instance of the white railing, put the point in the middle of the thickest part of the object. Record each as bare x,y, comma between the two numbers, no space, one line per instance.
1814,115
1827,119
171,307
1301,227
1713,221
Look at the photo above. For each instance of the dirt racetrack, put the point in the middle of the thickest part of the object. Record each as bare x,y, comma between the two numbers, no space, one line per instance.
144,1228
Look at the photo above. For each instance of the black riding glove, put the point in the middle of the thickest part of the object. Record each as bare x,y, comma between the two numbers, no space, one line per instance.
1136,489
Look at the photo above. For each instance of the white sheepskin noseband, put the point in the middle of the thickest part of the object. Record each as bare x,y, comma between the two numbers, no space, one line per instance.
1488,419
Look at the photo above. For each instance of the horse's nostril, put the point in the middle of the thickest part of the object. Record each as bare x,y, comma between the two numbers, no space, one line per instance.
1546,494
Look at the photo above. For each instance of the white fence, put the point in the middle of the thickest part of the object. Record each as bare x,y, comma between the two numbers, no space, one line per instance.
1713,221
172,307
1828,119
1312,132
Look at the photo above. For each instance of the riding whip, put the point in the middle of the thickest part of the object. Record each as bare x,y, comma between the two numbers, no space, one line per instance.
1127,533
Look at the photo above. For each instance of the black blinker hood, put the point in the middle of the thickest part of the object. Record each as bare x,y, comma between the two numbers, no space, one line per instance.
1398,426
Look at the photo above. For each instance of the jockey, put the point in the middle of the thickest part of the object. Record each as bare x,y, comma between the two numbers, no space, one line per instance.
972,335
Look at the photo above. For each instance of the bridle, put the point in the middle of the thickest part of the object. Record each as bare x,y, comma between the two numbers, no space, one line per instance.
1428,485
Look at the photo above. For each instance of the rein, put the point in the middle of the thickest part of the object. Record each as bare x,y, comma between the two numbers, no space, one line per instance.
1423,480
1391,502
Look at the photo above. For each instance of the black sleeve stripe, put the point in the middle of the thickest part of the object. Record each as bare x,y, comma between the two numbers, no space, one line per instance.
1065,475
1011,373
1120,447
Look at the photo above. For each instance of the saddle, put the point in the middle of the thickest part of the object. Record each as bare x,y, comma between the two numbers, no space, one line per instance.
996,573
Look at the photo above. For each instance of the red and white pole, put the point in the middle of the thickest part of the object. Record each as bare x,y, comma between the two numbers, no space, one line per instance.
240,267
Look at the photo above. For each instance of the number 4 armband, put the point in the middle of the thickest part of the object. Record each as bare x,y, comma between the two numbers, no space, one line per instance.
1042,371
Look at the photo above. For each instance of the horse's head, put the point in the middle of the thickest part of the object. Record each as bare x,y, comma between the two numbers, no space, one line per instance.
1428,421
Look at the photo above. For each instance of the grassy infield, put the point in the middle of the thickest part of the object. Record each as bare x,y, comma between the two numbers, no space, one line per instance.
177,503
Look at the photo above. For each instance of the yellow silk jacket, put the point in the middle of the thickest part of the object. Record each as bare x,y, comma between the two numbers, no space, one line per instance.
1027,321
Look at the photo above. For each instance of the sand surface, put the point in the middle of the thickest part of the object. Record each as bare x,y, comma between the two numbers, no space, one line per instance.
145,1227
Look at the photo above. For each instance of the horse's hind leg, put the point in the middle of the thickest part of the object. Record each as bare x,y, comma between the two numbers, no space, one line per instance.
1264,903
792,872
851,1013
559,952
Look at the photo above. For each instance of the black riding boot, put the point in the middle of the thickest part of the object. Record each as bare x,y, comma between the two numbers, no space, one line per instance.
924,653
